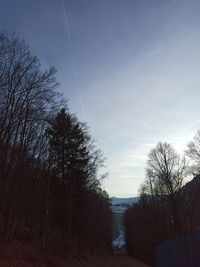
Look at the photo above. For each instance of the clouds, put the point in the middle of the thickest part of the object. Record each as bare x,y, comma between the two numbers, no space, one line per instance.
138,65
153,97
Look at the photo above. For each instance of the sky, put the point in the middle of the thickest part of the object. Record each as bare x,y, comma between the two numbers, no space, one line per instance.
129,68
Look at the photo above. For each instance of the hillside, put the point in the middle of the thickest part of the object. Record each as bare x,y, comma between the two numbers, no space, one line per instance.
123,201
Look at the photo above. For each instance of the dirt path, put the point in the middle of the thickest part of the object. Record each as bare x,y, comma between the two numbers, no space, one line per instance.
20,254
114,261
123,261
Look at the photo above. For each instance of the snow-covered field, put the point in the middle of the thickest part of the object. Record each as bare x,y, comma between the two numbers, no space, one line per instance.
119,242
118,209
119,206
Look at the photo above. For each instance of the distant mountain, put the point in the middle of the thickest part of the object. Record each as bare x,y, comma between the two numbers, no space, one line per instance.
121,201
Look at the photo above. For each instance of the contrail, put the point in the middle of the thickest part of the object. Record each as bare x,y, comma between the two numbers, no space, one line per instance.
73,59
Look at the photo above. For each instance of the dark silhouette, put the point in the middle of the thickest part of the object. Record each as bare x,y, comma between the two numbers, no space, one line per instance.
168,209
49,183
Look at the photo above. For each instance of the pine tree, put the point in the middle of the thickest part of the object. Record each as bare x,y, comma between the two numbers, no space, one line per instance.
70,153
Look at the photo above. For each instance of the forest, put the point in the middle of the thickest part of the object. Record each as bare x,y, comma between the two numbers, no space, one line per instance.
168,208
50,184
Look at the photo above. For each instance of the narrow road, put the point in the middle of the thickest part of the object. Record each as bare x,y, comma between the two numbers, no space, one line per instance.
113,261
20,254
123,261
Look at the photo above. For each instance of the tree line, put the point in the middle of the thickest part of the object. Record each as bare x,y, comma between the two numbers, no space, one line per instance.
50,190
168,206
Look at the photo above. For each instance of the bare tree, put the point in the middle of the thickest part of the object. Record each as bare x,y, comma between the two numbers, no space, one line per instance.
27,94
191,191
49,183
193,152
165,172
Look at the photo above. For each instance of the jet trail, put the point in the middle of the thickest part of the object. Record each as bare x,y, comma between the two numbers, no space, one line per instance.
73,59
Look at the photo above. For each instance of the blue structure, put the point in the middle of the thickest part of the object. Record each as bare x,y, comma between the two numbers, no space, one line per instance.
180,252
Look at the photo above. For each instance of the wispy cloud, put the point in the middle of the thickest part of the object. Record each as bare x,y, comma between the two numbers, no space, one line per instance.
138,68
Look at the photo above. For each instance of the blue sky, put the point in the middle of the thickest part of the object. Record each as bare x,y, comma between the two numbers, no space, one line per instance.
138,67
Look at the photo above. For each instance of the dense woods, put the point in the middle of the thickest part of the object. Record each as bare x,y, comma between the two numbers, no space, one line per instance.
50,190
168,206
